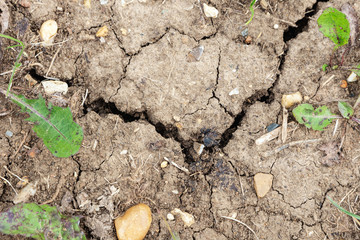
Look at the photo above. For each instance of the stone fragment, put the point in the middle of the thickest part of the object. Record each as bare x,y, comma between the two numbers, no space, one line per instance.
48,32
134,224
187,218
51,87
288,101
262,183
102,32
210,11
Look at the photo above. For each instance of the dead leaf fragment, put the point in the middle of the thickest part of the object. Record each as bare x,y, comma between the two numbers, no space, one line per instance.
332,153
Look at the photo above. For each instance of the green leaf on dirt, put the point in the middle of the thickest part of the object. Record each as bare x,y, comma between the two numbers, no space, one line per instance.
343,209
316,119
40,222
356,70
53,124
334,25
345,109
324,66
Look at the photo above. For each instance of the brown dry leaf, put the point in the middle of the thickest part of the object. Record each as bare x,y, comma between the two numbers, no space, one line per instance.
352,17
332,153
4,16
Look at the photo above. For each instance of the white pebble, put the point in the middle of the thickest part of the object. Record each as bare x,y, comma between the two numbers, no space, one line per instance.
276,26
175,191
352,77
210,11
235,91
123,152
170,217
52,87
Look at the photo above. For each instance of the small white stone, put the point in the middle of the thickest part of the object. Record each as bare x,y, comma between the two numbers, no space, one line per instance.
276,26
175,191
352,77
176,118
102,39
170,217
52,87
210,11
235,91
123,152
187,218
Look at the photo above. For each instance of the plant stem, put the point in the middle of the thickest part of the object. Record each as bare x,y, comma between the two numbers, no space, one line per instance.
17,63
252,11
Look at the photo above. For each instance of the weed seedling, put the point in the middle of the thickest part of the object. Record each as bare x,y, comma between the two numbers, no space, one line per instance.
53,124
334,25
321,117
252,11
343,209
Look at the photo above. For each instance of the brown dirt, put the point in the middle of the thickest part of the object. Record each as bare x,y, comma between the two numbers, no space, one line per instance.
147,101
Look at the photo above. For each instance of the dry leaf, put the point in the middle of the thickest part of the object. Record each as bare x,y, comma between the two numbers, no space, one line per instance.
332,153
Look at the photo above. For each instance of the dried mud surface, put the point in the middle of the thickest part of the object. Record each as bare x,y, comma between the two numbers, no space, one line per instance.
147,101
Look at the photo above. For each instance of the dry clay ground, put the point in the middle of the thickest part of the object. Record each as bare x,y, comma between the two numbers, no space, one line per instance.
146,101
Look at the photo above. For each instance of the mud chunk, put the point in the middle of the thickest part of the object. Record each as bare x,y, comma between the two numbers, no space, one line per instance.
262,183
134,224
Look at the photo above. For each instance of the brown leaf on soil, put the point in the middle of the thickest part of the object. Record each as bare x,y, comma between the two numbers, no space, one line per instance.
332,152
352,17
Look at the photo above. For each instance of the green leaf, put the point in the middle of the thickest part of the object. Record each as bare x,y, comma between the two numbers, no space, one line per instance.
252,11
324,67
343,209
345,109
316,119
40,222
53,124
334,25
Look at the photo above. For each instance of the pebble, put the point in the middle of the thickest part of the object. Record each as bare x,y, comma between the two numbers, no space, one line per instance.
276,26
248,40
272,127
170,217
288,101
199,148
9,133
176,118
25,3
48,32
102,32
262,183
264,4
235,91
195,54
52,87
352,77
187,218
25,193
245,32
134,224
103,2
164,164
210,12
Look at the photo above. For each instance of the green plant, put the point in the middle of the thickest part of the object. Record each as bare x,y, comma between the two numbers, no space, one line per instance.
252,11
343,209
53,124
319,118
40,222
334,25
17,63
174,235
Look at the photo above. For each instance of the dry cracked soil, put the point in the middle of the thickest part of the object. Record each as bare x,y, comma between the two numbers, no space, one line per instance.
149,99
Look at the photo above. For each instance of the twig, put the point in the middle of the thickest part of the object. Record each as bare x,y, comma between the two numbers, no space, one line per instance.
238,221
21,144
328,80
284,125
83,101
9,184
290,144
52,60
58,187
5,113
177,166
15,174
